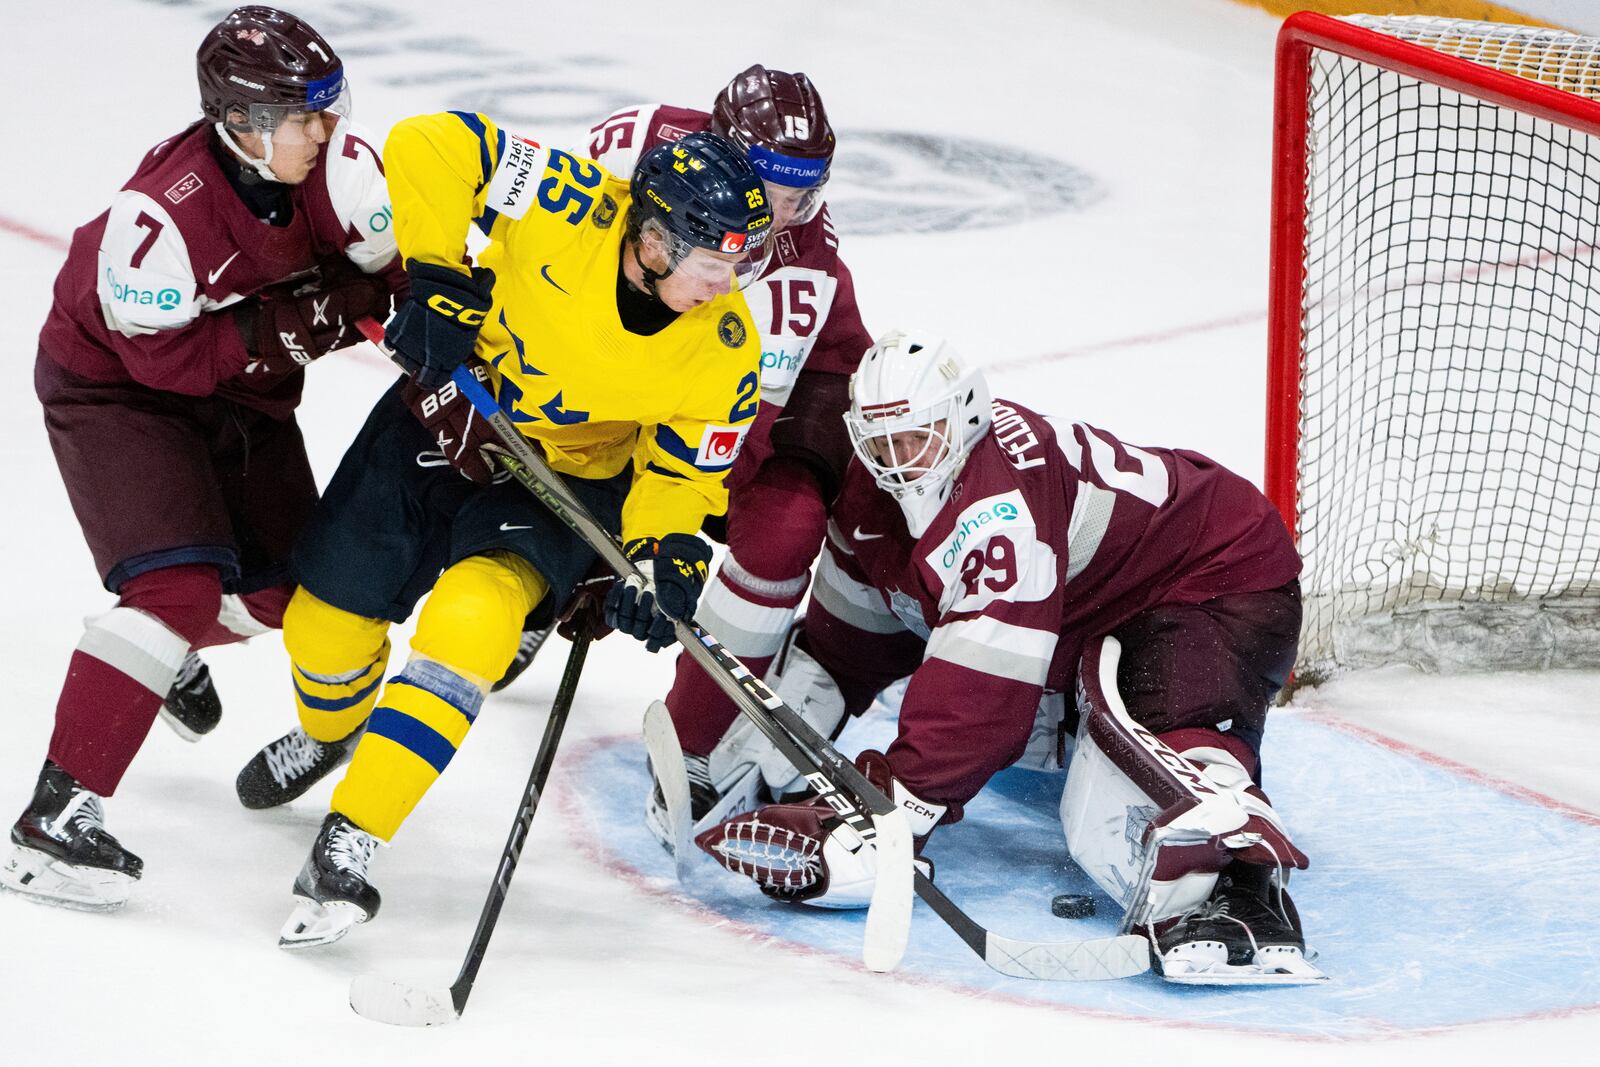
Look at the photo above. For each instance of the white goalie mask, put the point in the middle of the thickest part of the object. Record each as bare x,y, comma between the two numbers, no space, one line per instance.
917,408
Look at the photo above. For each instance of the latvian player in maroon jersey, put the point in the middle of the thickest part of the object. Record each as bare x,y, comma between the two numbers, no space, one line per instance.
169,368
1001,559
794,455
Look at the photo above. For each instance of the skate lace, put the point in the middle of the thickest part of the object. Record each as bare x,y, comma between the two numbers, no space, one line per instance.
293,756
84,813
189,670
350,849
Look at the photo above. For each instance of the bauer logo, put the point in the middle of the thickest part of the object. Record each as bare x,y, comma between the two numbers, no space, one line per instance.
974,526
183,187
720,446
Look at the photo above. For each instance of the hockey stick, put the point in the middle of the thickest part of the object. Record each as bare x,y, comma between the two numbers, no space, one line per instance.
889,916
387,1000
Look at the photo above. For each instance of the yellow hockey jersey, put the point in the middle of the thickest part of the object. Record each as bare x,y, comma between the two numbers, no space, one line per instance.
593,395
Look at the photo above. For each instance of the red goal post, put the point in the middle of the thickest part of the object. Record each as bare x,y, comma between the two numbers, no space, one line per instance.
1433,432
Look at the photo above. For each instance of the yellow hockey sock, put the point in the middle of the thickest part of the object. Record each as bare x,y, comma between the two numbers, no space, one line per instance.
473,618
338,660
422,719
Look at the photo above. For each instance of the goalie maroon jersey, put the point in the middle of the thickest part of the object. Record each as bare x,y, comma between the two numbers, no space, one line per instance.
804,304
1056,532
178,242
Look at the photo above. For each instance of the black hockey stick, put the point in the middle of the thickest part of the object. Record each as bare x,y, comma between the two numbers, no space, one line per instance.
848,791
388,1000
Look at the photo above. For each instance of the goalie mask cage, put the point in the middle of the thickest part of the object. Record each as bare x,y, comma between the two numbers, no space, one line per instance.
1433,437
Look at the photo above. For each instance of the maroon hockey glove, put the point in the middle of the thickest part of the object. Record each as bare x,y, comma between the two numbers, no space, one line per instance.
806,853
585,609
463,438
288,325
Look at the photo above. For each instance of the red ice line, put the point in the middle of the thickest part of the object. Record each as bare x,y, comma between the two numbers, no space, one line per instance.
582,833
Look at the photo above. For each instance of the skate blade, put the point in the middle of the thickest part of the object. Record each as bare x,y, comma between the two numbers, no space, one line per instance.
312,924
385,1000
1272,966
179,728
45,880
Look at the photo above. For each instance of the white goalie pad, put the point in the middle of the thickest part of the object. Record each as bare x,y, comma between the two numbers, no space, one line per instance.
806,687
1133,808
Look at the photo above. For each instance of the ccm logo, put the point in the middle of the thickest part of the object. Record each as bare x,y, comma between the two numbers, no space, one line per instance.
451,310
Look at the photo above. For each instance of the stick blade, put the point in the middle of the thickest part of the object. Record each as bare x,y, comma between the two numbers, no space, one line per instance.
386,1000
1095,960
889,913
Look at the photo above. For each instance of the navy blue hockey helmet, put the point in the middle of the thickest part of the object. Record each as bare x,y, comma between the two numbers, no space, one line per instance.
704,193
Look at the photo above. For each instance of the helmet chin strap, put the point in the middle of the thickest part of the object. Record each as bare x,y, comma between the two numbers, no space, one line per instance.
262,166
650,276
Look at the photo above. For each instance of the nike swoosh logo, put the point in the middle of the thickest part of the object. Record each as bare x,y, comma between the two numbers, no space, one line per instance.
544,272
508,527
211,279
859,536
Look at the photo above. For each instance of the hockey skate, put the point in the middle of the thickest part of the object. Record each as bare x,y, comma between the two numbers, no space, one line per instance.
192,707
1247,933
331,891
528,646
289,766
62,853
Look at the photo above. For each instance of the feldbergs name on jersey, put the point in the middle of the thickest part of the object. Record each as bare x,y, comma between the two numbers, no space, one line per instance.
993,553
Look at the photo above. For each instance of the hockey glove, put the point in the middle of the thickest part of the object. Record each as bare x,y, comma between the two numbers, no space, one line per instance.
436,329
805,853
465,440
676,566
286,326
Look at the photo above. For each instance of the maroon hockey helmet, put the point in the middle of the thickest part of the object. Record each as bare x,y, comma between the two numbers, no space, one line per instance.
265,62
778,118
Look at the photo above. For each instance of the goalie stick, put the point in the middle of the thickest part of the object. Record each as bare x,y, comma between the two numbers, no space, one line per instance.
388,1000
889,915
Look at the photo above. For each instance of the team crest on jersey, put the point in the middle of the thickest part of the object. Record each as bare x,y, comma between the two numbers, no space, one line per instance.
606,213
670,133
786,252
181,188
731,330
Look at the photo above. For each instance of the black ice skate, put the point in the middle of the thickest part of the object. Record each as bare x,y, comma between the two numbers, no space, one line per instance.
331,891
289,766
192,707
1248,932
528,646
62,853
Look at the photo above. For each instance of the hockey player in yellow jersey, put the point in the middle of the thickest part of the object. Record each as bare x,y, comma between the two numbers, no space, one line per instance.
608,320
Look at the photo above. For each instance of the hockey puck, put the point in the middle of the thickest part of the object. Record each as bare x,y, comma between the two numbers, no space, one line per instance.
1072,906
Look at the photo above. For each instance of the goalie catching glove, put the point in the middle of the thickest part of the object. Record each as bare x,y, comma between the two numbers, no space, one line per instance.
675,566
463,436
805,853
436,329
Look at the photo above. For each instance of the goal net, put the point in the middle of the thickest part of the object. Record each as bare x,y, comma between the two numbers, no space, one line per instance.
1434,431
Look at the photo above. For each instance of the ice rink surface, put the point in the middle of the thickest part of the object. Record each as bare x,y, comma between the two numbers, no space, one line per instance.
1075,193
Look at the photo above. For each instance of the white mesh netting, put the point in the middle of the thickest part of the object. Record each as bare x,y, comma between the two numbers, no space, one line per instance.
1449,436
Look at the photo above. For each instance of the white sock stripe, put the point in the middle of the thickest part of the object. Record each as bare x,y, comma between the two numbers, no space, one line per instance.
746,629
137,644
731,571
237,618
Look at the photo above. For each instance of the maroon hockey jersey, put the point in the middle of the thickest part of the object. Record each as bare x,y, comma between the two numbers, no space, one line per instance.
132,299
1055,532
804,304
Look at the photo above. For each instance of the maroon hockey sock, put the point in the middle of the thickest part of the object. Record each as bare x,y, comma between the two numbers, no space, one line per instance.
265,608
122,668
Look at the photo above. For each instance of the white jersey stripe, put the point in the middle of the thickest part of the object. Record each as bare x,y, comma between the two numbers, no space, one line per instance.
851,602
1001,649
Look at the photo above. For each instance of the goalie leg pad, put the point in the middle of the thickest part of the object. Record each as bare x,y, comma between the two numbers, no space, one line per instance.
807,687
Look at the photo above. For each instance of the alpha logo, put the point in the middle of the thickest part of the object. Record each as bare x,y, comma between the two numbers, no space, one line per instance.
166,299
606,213
782,360
211,278
720,445
974,524
184,186
381,219
731,330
